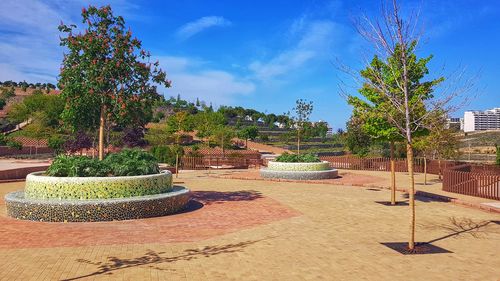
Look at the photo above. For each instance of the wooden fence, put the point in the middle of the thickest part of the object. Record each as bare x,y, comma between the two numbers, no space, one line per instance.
458,177
216,162
470,180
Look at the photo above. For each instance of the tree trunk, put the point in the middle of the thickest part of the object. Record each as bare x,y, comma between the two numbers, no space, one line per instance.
425,170
246,143
439,167
393,176
223,151
298,142
176,165
409,151
101,131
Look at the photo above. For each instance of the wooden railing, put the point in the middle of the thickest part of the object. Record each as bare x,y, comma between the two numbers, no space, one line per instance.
207,162
383,164
458,177
463,180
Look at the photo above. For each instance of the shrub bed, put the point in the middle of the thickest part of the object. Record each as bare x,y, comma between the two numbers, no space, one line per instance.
39,186
294,158
128,162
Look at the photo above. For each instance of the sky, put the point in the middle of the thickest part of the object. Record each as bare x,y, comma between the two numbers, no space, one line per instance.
262,54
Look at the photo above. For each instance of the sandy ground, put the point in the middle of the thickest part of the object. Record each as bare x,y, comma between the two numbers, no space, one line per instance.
329,232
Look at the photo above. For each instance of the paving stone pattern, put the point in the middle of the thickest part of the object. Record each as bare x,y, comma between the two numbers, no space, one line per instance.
258,230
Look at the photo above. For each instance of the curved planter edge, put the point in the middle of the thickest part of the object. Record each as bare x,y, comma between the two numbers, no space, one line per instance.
298,175
298,166
39,186
53,210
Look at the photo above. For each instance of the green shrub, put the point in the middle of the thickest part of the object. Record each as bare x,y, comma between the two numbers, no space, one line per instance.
56,142
163,154
15,144
132,162
294,158
128,162
3,139
77,166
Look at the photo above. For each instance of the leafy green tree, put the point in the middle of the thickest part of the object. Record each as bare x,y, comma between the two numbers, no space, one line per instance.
38,128
179,123
370,111
269,119
56,142
400,78
302,110
440,143
7,93
51,107
222,136
357,140
398,82
106,76
158,135
250,132
321,130
207,122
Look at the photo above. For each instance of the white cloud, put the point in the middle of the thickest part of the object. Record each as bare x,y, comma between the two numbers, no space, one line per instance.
193,78
191,28
29,39
315,39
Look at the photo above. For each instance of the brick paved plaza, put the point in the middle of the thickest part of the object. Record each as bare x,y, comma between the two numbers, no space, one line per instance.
258,230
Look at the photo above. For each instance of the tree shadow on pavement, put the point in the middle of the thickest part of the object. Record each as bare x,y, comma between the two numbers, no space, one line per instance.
455,227
217,197
153,258
464,226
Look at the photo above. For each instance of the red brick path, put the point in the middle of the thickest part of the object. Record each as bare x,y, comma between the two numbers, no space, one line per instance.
345,178
221,213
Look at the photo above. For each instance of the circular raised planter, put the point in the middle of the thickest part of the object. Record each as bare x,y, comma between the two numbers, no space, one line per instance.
298,171
54,210
39,186
286,166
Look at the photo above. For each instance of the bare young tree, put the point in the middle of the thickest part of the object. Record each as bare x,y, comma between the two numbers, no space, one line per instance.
302,110
393,81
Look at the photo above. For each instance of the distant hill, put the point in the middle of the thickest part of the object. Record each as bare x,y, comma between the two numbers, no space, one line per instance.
19,95
479,146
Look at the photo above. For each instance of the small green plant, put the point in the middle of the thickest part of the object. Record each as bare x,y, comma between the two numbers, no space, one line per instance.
3,139
77,166
56,142
132,162
163,154
15,144
128,162
294,158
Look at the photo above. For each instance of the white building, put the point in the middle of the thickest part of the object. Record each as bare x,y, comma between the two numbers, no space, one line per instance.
456,124
482,120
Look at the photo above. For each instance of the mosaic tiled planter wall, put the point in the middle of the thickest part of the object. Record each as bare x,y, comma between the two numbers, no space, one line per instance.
298,171
39,186
285,166
85,199
54,210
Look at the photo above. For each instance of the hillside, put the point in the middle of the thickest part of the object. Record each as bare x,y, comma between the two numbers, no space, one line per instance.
479,146
19,95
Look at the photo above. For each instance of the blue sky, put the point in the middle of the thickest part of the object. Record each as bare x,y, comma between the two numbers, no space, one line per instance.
259,54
